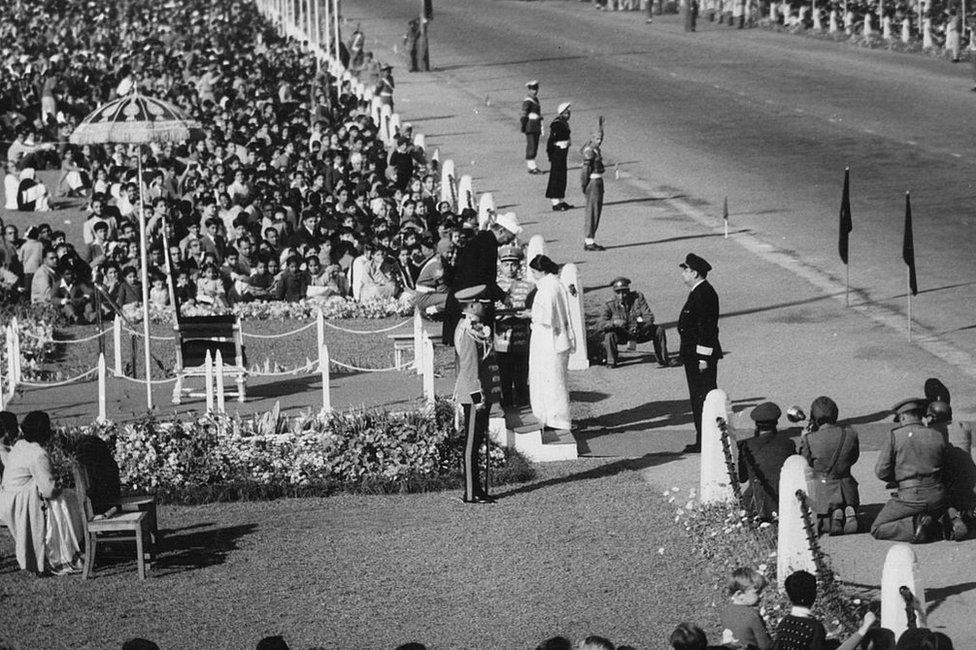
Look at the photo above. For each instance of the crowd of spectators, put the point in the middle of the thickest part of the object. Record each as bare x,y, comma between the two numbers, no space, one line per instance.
287,193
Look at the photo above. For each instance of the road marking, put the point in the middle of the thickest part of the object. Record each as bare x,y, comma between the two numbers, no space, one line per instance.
957,155
832,287
869,131
798,110
911,142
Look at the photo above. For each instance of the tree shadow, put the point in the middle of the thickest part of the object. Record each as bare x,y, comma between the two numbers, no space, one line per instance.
608,469
462,66
666,240
290,386
938,595
587,396
867,418
431,118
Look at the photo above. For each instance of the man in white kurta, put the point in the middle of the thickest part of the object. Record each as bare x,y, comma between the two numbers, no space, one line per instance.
550,345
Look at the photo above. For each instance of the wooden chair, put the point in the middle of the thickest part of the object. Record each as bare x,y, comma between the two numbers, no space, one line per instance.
197,335
112,526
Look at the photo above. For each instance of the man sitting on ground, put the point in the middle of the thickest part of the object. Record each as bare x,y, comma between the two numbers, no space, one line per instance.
627,318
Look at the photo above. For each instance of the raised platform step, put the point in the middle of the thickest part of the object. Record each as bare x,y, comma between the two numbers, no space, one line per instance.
524,433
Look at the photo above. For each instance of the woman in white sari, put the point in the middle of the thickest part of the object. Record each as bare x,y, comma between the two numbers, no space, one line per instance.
43,520
550,345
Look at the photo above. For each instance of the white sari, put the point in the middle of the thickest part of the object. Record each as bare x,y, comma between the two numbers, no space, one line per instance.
551,344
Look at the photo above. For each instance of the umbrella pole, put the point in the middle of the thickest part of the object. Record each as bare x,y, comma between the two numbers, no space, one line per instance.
145,286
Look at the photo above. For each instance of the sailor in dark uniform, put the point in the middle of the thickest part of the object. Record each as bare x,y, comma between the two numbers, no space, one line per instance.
557,150
761,459
384,89
591,182
477,387
911,459
698,328
532,125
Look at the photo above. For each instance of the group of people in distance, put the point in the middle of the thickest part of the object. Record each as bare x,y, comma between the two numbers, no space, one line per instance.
927,460
288,192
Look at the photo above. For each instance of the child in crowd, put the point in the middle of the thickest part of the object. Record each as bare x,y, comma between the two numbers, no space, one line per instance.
800,630
741,621
158,293
210,287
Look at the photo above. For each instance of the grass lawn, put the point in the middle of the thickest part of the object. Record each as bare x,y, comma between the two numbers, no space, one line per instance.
574,552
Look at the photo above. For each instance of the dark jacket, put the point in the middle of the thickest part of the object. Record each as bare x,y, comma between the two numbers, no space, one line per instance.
760,461
628,311
476,264
698,324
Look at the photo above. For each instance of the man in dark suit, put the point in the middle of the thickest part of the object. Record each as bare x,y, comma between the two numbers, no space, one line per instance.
477,263
698,328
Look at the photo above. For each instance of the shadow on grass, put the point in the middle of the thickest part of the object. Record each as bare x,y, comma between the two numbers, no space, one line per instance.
191,548
603,471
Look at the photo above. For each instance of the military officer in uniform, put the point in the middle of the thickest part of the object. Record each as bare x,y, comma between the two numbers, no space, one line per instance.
831,450
557,150
477,386
532,125
761,459
959,473
512,327
911,459
698,327
627,318
591,182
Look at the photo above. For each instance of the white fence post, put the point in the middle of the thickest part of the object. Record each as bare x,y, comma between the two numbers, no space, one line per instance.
569,276
715,483
208,381
900,570
11,364
418,340
219,380
117,344
320,328
428,362
102,417
324,370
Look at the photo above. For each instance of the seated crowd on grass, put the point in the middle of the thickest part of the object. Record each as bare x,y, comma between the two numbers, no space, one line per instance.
286,193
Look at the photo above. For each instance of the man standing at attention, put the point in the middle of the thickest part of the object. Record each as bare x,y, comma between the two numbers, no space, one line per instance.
698,328
591,182
557,150
532,125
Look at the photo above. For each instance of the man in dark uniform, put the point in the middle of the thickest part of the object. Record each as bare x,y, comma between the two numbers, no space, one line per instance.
410,41
698,327
557,150
477,386
627,318
591,182
911,459
761,459
531,123
512,328
959,471
477,264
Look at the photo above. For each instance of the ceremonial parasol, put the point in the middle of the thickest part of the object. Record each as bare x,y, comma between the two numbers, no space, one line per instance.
136,119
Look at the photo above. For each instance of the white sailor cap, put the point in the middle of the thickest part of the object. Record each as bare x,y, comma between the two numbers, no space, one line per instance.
533,84
563,107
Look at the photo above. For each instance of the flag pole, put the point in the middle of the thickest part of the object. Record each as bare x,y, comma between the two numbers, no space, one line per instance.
847,293
908,278
725,215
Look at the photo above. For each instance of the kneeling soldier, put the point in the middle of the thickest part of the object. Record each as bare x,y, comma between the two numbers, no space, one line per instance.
911,459
627,318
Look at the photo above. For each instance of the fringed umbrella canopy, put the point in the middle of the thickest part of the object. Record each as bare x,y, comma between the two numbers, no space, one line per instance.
134,119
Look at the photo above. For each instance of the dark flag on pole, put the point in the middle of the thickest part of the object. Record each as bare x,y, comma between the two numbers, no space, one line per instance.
908,246
846,224
427,9
725,209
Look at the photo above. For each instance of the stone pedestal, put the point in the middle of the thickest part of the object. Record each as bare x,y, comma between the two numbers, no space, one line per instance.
715,484
447,173
486,210
465,193
569,276
900,570
792,548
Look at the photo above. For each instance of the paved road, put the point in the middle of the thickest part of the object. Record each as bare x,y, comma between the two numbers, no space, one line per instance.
770,120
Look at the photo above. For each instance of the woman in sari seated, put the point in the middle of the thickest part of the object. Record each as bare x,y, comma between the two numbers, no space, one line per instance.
378,281
39,517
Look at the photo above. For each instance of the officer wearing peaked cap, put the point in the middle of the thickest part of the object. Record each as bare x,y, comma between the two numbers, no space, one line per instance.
761,459
531,124
478,384
911,459
627,318
591,183
698,328
512,327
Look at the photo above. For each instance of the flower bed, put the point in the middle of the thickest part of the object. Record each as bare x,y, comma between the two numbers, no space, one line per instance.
727,538
332,308
36,327
224,458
